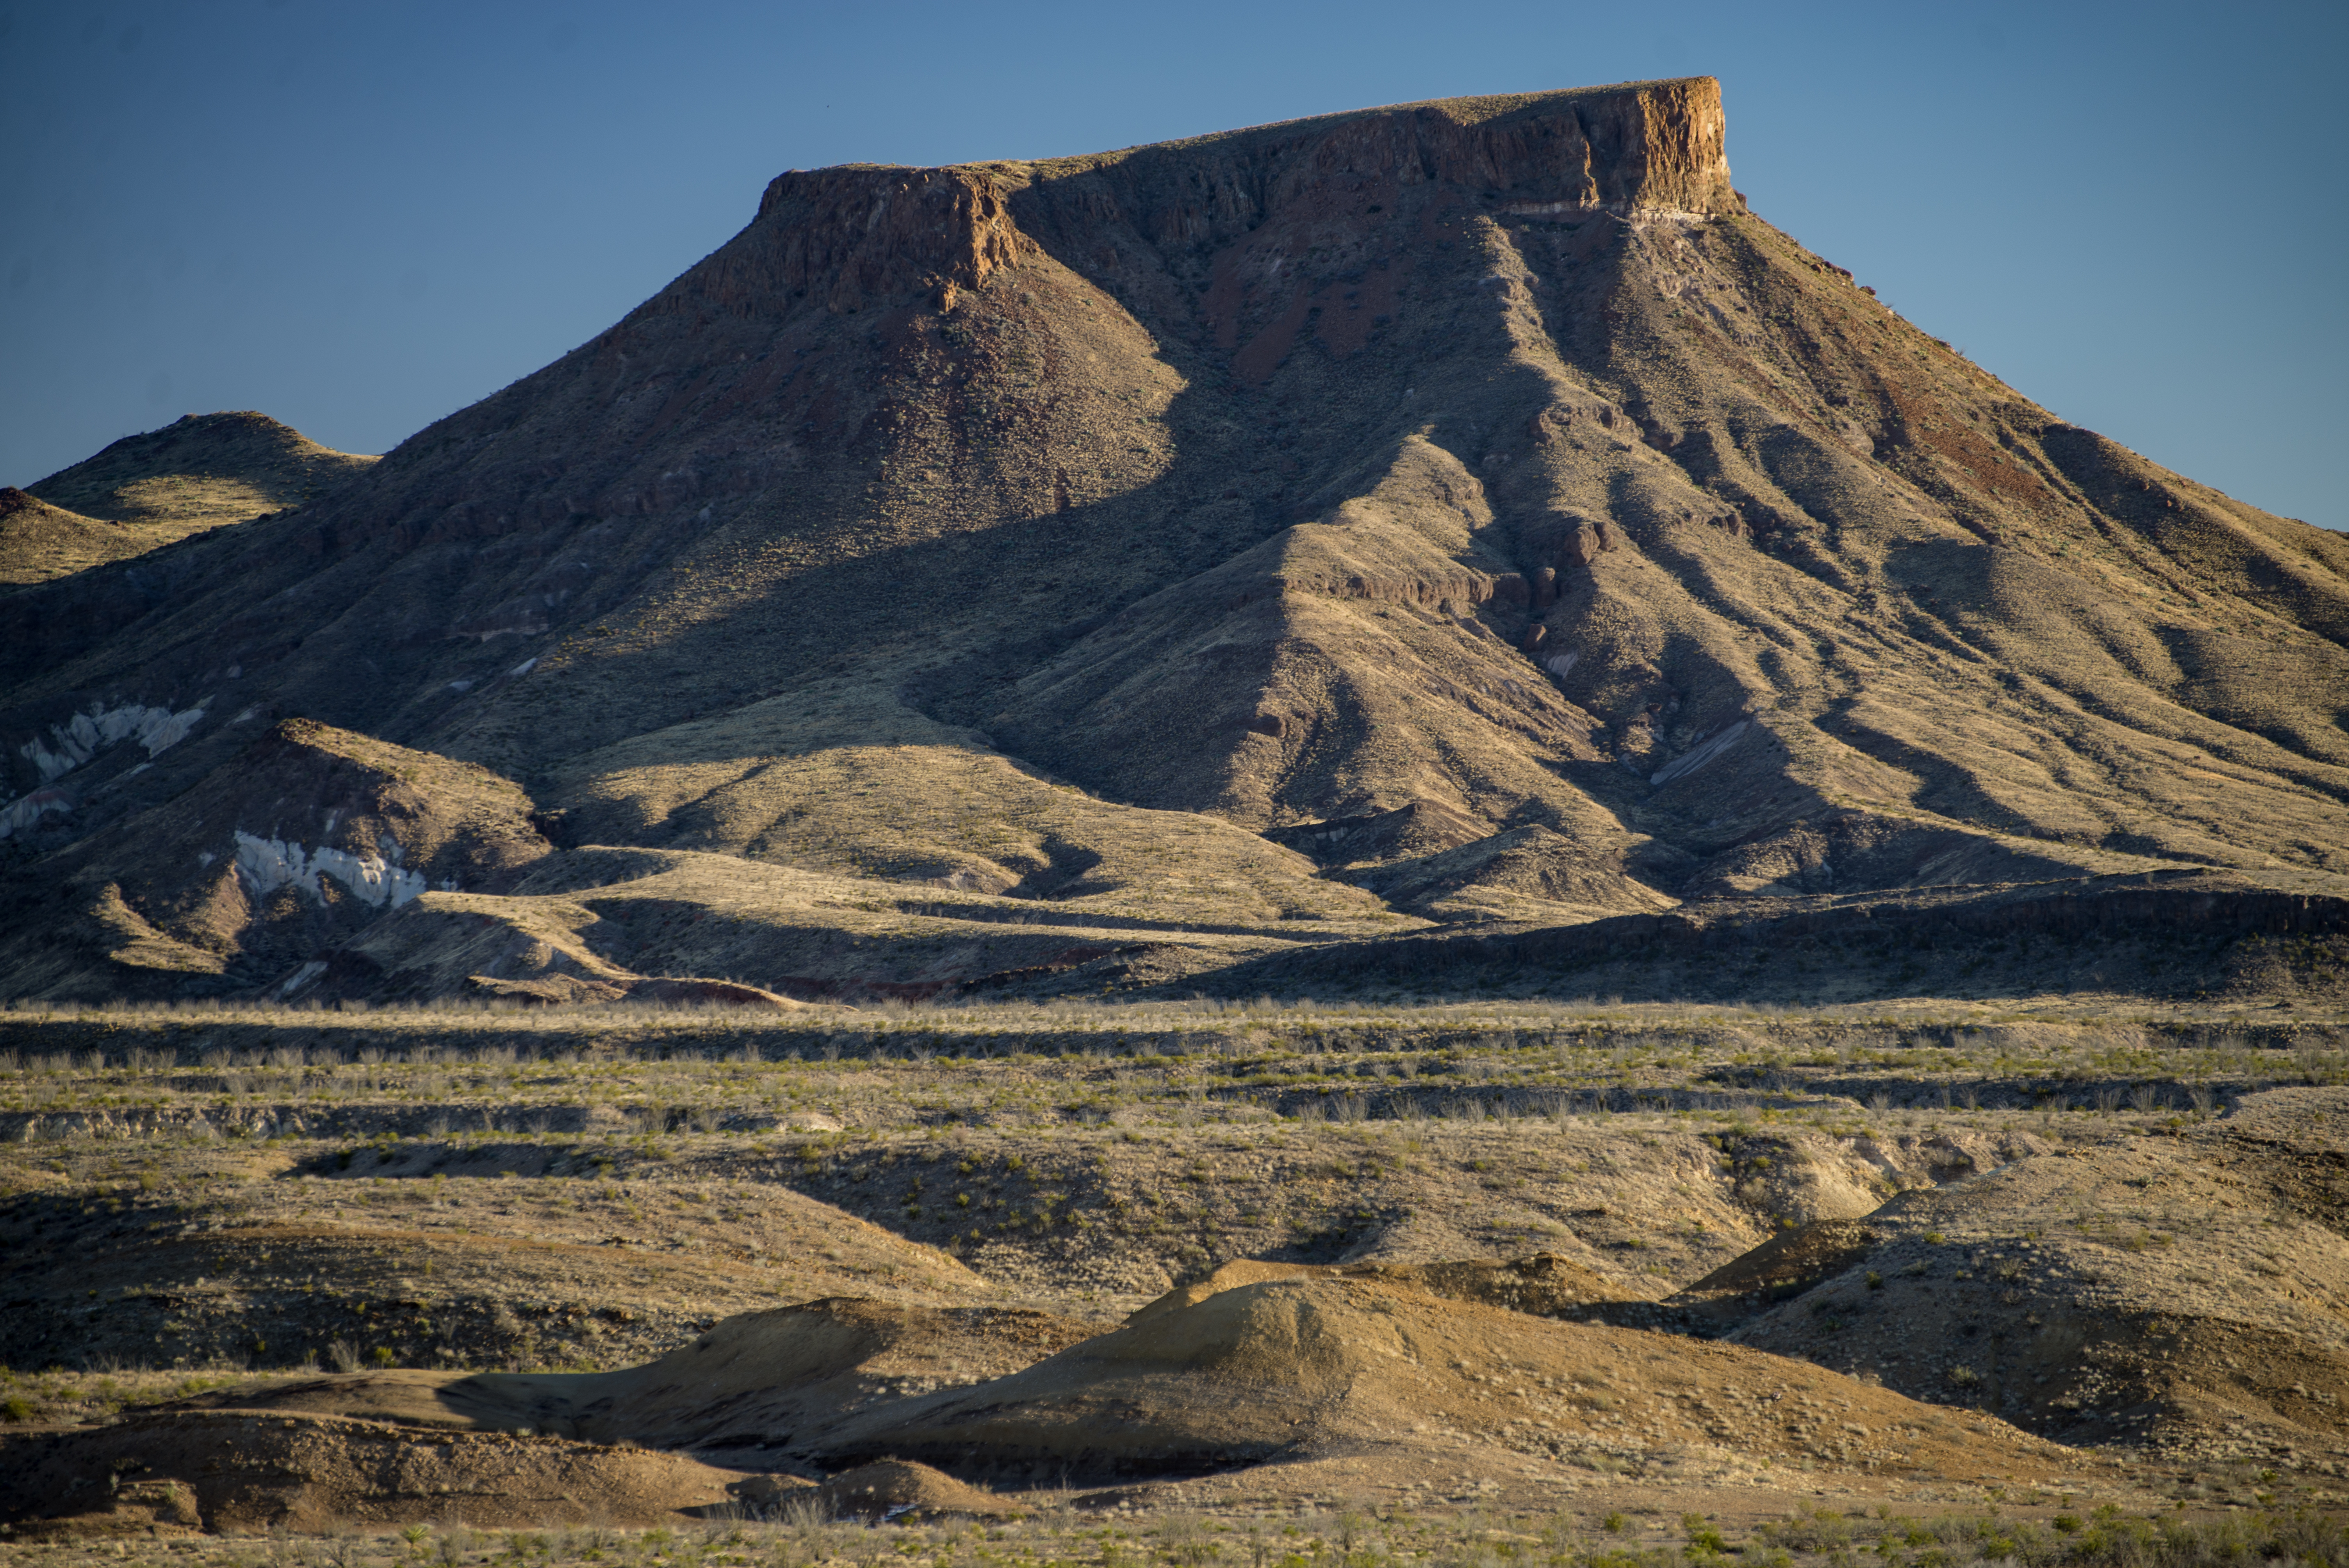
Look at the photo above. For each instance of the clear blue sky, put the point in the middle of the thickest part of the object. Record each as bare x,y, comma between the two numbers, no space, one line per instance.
360,217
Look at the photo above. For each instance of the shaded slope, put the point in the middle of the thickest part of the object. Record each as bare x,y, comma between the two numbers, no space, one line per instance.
2282,939
2187,1293
256,874
772,1379
322,1474
592,925
781,1379
510,1271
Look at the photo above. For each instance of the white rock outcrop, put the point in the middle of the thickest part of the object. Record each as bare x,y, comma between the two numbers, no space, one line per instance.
86,735
268,864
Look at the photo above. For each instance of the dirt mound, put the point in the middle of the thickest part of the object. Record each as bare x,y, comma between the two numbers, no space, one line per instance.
762,1382
2188,1293
893,1488
530,1278
1544,1285
1232,1277
1290,1367
779,1380
245,1472
1278,1367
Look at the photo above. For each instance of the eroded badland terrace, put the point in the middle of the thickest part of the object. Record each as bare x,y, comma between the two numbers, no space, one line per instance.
1383,838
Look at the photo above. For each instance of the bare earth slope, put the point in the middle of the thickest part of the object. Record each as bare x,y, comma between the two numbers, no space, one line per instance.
1485,461
299,841
2190,1293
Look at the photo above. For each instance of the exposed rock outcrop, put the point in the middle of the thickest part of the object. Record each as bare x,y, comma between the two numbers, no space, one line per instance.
256,876
856,237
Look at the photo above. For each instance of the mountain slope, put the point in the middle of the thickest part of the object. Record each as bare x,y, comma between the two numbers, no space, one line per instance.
194,475
39,541
1481,465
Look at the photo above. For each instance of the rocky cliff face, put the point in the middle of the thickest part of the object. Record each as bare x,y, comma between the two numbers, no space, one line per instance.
1481,462
860,234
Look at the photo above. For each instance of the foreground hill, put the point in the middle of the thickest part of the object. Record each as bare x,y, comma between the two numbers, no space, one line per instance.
1075,1267
1459,511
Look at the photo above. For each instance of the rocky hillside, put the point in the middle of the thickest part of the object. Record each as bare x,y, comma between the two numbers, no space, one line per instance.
1463,512
196,474
39,541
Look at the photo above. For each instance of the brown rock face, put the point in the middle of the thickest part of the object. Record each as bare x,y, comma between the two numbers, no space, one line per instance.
858,235
1479,465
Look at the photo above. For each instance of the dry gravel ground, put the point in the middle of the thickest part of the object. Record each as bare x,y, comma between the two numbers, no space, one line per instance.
985,1530
2114,1256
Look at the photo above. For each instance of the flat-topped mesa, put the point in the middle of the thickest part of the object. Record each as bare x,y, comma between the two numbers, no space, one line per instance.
1646,148
1660,146
843,236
